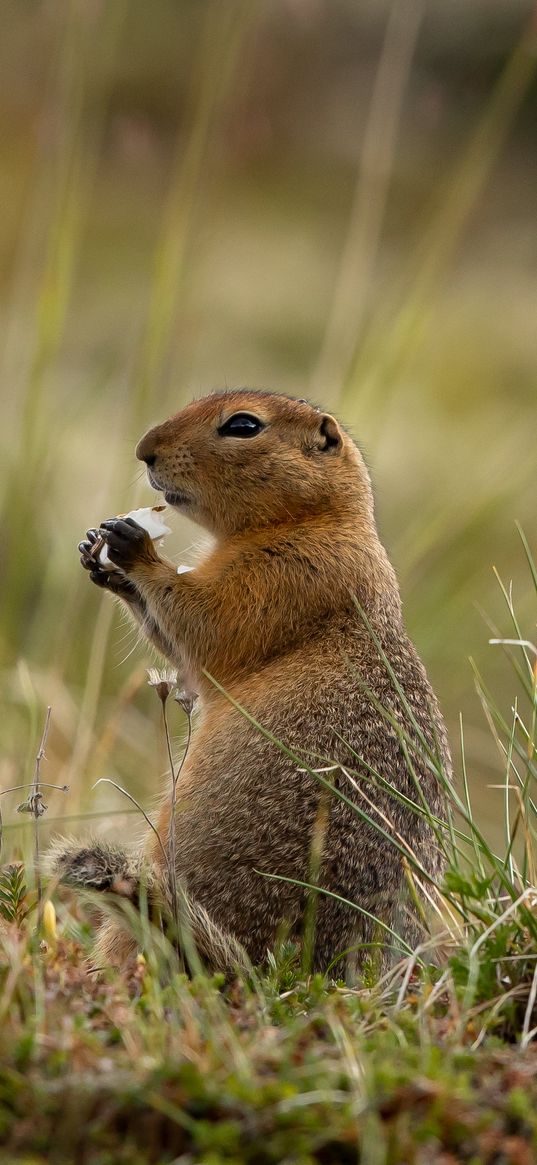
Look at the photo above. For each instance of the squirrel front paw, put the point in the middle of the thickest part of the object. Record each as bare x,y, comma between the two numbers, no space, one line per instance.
128,544
102,576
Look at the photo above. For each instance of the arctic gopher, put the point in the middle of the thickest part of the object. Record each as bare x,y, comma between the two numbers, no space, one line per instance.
318,738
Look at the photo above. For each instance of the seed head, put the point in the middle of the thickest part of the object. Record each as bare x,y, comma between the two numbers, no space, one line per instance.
34,804
163,680
186,700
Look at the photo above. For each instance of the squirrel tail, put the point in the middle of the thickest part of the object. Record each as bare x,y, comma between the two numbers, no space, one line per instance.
105,867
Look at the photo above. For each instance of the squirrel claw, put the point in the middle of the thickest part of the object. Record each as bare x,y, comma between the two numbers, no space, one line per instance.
127,543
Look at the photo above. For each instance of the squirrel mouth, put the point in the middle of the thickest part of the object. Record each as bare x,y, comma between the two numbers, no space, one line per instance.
171,497
174,498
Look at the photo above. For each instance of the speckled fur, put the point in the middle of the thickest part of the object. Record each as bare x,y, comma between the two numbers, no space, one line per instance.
271,614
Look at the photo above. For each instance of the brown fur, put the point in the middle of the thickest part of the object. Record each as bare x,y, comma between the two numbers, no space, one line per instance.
271,614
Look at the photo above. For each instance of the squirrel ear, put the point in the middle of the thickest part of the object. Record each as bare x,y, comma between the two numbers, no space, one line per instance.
329,435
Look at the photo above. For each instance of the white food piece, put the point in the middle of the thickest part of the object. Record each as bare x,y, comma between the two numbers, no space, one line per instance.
182,569
149,517
151,520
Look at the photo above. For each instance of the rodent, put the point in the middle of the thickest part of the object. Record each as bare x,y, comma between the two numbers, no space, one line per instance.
295,613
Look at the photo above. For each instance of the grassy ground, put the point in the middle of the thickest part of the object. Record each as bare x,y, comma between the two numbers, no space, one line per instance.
290,1072
226,194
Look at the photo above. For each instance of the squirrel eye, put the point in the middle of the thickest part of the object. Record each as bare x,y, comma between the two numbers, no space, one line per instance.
241,425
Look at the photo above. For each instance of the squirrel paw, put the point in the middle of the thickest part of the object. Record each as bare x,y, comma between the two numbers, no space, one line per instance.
95,866
128,544
102,576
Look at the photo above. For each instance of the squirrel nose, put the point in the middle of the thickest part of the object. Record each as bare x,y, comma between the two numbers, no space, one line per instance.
145,450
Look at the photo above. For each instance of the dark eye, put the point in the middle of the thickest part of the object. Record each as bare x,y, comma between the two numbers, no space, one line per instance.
241,425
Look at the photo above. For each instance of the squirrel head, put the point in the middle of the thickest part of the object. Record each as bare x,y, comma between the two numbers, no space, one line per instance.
244,459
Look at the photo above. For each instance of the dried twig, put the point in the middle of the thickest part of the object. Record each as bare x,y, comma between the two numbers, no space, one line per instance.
35,805
164,682
38,809
27,806
187,706
120,789
172,855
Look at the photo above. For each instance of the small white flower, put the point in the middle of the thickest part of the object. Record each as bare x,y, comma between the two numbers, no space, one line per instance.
164,680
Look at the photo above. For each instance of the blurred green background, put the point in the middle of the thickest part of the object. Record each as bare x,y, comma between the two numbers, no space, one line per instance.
326,197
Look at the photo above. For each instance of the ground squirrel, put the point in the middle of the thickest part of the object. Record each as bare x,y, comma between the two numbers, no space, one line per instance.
296,613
